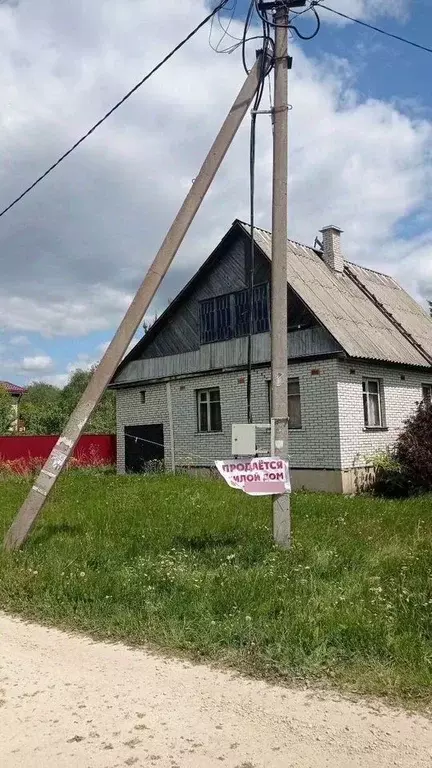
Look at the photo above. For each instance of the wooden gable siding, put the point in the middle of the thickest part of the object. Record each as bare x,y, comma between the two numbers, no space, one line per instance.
303,344
229,273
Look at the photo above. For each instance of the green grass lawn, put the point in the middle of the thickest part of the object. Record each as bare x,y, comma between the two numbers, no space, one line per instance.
189,566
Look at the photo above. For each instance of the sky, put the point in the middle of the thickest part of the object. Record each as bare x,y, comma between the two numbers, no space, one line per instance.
74,251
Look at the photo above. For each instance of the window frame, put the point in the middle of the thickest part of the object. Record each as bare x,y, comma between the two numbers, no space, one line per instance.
366,395
208,402
142,396
291,380
426,398
211,331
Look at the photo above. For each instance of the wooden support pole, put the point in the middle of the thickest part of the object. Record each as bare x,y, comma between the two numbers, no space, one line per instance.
103,374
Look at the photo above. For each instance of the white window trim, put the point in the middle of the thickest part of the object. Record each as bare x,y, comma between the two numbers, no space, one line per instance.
199,402
379,382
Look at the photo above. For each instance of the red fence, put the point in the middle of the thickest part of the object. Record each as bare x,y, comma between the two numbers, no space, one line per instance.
91,450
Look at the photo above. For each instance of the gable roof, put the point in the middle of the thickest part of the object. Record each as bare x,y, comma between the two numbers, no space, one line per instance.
366,312
13,389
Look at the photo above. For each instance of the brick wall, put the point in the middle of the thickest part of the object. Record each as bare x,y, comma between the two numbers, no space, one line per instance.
316,445
400,396
132,412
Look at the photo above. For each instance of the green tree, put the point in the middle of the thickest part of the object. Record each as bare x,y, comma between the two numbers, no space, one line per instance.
45,409
41,410
7,411
103,420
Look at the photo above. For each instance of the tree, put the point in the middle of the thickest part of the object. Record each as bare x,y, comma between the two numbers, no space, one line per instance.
40,409
46,409
7,411
103,419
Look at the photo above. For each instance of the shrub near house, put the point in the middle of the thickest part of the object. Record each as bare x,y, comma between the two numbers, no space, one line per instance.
407,469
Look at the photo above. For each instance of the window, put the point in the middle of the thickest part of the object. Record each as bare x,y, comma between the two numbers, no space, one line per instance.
215,319
294,403
427,393
142,396
260,319
226,317
209,410
372,403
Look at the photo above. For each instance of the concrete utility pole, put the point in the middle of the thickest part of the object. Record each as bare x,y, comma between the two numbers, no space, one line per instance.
279,324
36,499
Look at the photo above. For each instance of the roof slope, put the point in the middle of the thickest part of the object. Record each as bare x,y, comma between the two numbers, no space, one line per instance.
13,389
399,304
345,305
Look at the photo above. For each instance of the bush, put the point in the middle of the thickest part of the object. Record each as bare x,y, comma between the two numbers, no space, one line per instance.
413,450
390,479
407,468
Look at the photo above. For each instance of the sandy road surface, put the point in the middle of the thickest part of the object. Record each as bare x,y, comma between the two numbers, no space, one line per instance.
66,701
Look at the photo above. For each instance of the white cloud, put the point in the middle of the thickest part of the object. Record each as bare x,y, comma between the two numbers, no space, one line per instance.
19,341
93,227
36,363
84,362
102,348
56,379
365,9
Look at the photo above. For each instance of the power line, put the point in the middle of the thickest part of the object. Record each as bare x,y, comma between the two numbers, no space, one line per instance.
115,107
375,29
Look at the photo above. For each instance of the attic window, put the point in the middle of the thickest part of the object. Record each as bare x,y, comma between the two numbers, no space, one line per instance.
216,319
226,317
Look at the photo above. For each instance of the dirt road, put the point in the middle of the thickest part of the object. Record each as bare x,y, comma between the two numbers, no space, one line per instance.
66,701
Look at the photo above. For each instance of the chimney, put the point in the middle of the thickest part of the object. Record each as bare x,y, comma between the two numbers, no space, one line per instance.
332,253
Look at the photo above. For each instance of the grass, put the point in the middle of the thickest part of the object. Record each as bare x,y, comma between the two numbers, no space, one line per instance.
189,566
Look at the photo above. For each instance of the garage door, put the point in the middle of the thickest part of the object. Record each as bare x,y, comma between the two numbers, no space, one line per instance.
144,445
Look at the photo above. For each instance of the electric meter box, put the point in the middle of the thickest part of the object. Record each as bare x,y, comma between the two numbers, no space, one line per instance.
243,440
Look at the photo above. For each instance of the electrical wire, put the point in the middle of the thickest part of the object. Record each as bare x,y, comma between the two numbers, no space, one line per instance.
265,18
375,29
267,63
225,30
115,107
248,21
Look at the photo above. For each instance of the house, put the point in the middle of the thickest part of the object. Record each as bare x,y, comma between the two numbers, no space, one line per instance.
360,359
16,392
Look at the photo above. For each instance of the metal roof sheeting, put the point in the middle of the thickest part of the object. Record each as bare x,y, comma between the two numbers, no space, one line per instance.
13,389
353,318
399,303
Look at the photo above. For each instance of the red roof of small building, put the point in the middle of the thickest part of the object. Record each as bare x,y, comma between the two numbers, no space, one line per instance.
13,389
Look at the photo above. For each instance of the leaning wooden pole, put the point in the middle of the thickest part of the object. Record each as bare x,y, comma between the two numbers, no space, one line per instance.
34,503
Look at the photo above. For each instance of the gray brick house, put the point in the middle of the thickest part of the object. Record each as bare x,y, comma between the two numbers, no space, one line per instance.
360,358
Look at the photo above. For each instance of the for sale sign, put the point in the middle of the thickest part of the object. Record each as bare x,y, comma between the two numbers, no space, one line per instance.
267,476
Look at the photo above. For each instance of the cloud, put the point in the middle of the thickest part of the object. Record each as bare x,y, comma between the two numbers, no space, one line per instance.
19,341
38,363
83,362
78,246
366,9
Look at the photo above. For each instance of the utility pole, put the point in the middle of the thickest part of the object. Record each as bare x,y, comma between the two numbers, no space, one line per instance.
102,376
279,308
